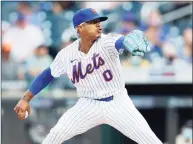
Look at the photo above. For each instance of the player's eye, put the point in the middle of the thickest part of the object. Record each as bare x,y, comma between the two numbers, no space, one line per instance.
93,21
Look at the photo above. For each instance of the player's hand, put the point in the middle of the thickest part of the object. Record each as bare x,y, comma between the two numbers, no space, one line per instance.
136,43
21,108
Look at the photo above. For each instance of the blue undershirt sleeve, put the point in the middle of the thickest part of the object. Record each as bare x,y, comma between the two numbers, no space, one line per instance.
119,43
41,81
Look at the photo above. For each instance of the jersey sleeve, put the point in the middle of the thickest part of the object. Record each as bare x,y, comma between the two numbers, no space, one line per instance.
109,44
58,66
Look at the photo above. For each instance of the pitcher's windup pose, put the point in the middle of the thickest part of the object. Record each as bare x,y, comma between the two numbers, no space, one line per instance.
92,63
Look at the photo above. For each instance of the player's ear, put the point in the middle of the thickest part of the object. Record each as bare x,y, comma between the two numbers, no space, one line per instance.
80,28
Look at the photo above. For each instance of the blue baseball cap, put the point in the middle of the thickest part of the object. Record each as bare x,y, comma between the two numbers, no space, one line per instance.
85,15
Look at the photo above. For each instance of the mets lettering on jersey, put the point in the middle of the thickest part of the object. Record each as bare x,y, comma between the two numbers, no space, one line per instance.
77,72
96,74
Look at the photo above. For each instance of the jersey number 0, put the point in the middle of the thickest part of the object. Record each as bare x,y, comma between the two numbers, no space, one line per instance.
107,75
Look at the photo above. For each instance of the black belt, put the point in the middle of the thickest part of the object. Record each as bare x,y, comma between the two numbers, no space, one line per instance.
107,99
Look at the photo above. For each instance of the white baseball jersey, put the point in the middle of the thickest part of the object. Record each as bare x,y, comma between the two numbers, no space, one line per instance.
96,74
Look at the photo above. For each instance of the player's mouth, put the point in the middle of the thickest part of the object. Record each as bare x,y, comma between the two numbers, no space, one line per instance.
100,30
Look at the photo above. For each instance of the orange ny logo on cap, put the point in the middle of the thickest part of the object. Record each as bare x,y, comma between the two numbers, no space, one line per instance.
93,11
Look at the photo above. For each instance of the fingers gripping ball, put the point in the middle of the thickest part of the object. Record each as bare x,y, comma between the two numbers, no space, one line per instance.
26,114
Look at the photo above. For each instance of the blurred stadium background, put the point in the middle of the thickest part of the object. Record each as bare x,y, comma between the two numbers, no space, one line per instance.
159,84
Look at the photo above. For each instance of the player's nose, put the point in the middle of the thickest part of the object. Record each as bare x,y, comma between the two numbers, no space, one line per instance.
99,26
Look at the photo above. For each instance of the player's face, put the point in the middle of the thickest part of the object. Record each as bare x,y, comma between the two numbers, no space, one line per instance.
92,29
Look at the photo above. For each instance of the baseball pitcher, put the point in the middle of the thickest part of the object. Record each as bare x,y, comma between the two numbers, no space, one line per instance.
93,65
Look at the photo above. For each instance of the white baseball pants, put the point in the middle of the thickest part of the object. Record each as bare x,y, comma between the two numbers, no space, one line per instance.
119,113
